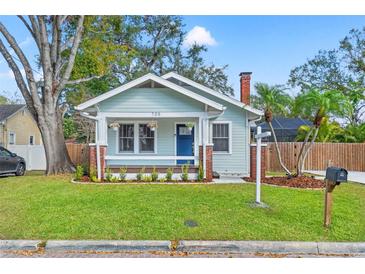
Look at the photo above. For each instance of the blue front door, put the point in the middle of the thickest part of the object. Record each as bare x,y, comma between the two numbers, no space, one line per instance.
184,143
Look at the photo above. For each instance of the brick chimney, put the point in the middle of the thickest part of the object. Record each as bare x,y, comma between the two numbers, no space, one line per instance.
245,79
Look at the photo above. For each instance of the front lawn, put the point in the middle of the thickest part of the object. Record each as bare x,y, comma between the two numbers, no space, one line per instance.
37,207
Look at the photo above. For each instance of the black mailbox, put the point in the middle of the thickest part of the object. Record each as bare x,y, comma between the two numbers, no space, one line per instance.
336,174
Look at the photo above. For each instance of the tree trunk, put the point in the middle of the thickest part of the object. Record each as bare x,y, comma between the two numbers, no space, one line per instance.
299,161
58,160
307,150
278,150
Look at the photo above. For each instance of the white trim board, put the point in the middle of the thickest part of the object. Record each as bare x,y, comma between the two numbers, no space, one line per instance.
212,92
156,79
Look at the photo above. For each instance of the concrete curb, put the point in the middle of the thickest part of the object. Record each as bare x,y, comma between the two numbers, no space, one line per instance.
248,247
19,244
108,246
341,248
278,247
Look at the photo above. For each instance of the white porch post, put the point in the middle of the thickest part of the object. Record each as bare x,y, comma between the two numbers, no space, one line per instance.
205,141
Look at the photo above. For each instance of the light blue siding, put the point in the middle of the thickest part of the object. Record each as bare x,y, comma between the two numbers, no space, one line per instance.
238,160
165,135
166,100
150,100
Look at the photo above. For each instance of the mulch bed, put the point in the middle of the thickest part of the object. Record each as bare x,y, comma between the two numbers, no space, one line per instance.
297,182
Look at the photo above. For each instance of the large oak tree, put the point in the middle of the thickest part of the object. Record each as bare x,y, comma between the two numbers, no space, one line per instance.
57,39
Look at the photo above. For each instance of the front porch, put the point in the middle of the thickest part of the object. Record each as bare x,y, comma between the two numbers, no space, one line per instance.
152,140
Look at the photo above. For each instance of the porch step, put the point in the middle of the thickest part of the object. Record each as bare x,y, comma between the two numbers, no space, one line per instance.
149,169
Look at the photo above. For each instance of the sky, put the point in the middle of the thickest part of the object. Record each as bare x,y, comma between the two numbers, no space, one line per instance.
267,46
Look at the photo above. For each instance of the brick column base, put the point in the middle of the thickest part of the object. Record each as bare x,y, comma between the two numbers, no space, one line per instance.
253,161
92,158
209,161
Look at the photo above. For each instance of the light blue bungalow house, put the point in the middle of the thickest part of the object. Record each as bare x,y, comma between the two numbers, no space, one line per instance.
167,121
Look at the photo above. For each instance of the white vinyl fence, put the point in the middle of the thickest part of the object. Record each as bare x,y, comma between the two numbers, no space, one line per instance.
34,155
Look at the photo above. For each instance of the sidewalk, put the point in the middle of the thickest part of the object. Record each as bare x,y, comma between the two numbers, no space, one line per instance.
56,249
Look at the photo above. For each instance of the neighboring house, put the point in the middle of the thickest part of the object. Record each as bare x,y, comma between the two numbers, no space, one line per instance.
286,129
17,126
169,121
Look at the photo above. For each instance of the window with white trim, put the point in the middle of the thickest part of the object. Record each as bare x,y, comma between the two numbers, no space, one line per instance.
146,139
220,136
12,137
126,138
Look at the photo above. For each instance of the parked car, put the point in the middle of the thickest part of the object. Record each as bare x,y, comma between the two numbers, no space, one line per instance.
11,163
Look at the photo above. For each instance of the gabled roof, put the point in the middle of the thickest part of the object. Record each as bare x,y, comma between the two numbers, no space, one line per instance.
153,78
210,91
8,110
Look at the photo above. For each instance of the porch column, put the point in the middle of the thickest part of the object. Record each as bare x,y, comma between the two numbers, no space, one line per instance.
206,152
93,159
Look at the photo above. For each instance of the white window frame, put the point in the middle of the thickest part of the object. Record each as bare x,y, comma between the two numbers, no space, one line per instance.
33,140
136,139
118,139
11,132
229,136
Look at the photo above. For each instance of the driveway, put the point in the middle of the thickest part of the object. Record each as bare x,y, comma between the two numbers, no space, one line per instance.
354,176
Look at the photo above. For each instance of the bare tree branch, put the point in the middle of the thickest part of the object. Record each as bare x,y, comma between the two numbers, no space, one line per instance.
71,59
35,28
48,88
24,61
27,26
82,80
18,78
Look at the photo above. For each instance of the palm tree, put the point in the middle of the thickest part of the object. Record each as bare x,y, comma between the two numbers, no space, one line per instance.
318,105
328,132
273,100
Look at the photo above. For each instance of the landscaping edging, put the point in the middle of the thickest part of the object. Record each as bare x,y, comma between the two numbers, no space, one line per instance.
245,247
140,183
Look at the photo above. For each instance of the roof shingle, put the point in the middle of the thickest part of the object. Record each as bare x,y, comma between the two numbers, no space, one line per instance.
8,110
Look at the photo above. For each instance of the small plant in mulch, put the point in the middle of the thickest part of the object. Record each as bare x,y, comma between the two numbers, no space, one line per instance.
169,173
79,172
185,172
200,176
108,175
296,182
93,176
140,174
147,178
154,175
123,174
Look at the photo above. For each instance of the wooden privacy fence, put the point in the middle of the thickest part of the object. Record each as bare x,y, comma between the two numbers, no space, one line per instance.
79,153
347,155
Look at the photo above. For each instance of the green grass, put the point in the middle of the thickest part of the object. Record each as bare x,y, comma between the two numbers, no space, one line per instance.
38,207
